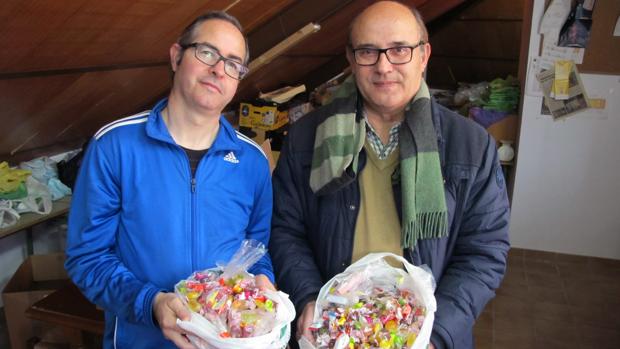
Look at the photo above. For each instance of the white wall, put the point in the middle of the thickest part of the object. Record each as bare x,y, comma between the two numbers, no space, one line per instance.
567,185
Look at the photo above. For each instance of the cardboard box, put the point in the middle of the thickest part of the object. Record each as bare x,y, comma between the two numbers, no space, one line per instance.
36,277
505,129
266,117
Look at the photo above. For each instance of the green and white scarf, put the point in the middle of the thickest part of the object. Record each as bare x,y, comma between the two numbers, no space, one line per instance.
339,140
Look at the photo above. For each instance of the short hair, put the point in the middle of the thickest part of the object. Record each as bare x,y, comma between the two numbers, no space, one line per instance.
188,34
418,18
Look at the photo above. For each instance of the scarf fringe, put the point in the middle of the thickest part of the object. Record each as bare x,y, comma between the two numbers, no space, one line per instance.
428,225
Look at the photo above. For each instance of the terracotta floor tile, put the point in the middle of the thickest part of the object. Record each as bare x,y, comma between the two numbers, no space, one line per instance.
553,300
605,273
514,324
508,341
556,331
517,252
596,337
553,312
596,317
605,263
544,280
576,271
561,258
515,277
485,321
593,294
547,295
483,338
533,255
509,305
543,267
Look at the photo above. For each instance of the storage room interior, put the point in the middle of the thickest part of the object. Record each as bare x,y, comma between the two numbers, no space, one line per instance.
69,67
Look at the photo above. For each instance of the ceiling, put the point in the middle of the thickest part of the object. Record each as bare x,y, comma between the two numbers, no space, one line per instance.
67,67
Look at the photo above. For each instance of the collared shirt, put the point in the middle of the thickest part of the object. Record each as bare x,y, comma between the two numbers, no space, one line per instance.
382,150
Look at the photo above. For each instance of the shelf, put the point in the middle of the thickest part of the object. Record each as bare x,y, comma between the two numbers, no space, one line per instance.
27,220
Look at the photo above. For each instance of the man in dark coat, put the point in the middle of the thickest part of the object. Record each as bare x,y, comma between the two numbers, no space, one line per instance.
386,169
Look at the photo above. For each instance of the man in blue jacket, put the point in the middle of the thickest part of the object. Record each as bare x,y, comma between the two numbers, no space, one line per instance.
386,169
169,191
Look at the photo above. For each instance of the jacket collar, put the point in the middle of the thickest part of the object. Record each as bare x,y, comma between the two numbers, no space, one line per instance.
226,139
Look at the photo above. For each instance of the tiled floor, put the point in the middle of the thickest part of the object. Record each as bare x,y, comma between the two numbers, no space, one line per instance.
4,336
547,300
550,300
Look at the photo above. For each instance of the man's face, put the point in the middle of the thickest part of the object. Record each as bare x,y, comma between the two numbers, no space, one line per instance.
387,87
201,87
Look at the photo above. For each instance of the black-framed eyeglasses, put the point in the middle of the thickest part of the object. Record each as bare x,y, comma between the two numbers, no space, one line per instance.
209,56
366,56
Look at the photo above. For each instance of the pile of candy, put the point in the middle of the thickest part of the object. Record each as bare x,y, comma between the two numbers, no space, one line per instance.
234,305
383,317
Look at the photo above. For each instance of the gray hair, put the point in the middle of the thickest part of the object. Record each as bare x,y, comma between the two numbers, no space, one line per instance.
188,34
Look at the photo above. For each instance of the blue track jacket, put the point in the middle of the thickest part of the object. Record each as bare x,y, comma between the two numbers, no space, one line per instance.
139,222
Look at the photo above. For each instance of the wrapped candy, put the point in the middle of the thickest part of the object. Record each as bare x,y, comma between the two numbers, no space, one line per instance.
228,310
381,318
228,296
235,305
372,305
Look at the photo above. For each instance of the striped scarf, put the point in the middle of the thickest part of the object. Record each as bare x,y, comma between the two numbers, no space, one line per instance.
339,140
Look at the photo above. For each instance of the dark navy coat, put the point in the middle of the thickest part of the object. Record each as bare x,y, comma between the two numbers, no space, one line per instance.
312,236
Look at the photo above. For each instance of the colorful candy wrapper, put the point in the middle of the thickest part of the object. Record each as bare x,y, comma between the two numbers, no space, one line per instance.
372,305
230,311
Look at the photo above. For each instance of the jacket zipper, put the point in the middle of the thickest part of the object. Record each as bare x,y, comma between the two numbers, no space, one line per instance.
194,224
192,188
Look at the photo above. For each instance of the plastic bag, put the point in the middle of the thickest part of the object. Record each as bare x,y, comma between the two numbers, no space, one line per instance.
39,199
58,189
43,168
228,310
351,289
11,179
8,216
45,171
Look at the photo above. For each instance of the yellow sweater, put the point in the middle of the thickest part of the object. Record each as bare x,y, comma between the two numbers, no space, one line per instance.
378,227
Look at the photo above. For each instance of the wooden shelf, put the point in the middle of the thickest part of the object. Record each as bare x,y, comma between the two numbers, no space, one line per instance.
27,220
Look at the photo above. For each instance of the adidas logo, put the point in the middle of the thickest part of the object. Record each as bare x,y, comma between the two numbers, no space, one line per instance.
230,157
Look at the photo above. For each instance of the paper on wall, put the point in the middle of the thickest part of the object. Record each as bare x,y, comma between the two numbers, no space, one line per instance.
532,86
577,98
551,53
554,19
560,85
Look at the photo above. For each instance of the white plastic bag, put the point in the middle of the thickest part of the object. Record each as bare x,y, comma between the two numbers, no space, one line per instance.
206,336
207,333
43,168
8,216
39,199
374,267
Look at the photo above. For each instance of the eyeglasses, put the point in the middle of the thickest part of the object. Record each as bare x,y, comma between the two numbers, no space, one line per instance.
209,56
367,56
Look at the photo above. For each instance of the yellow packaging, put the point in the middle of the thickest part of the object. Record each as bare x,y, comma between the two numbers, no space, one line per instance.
265,118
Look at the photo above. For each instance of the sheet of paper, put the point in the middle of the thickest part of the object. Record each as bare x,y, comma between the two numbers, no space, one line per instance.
560,87
532,87
577,98
552,53
554,18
